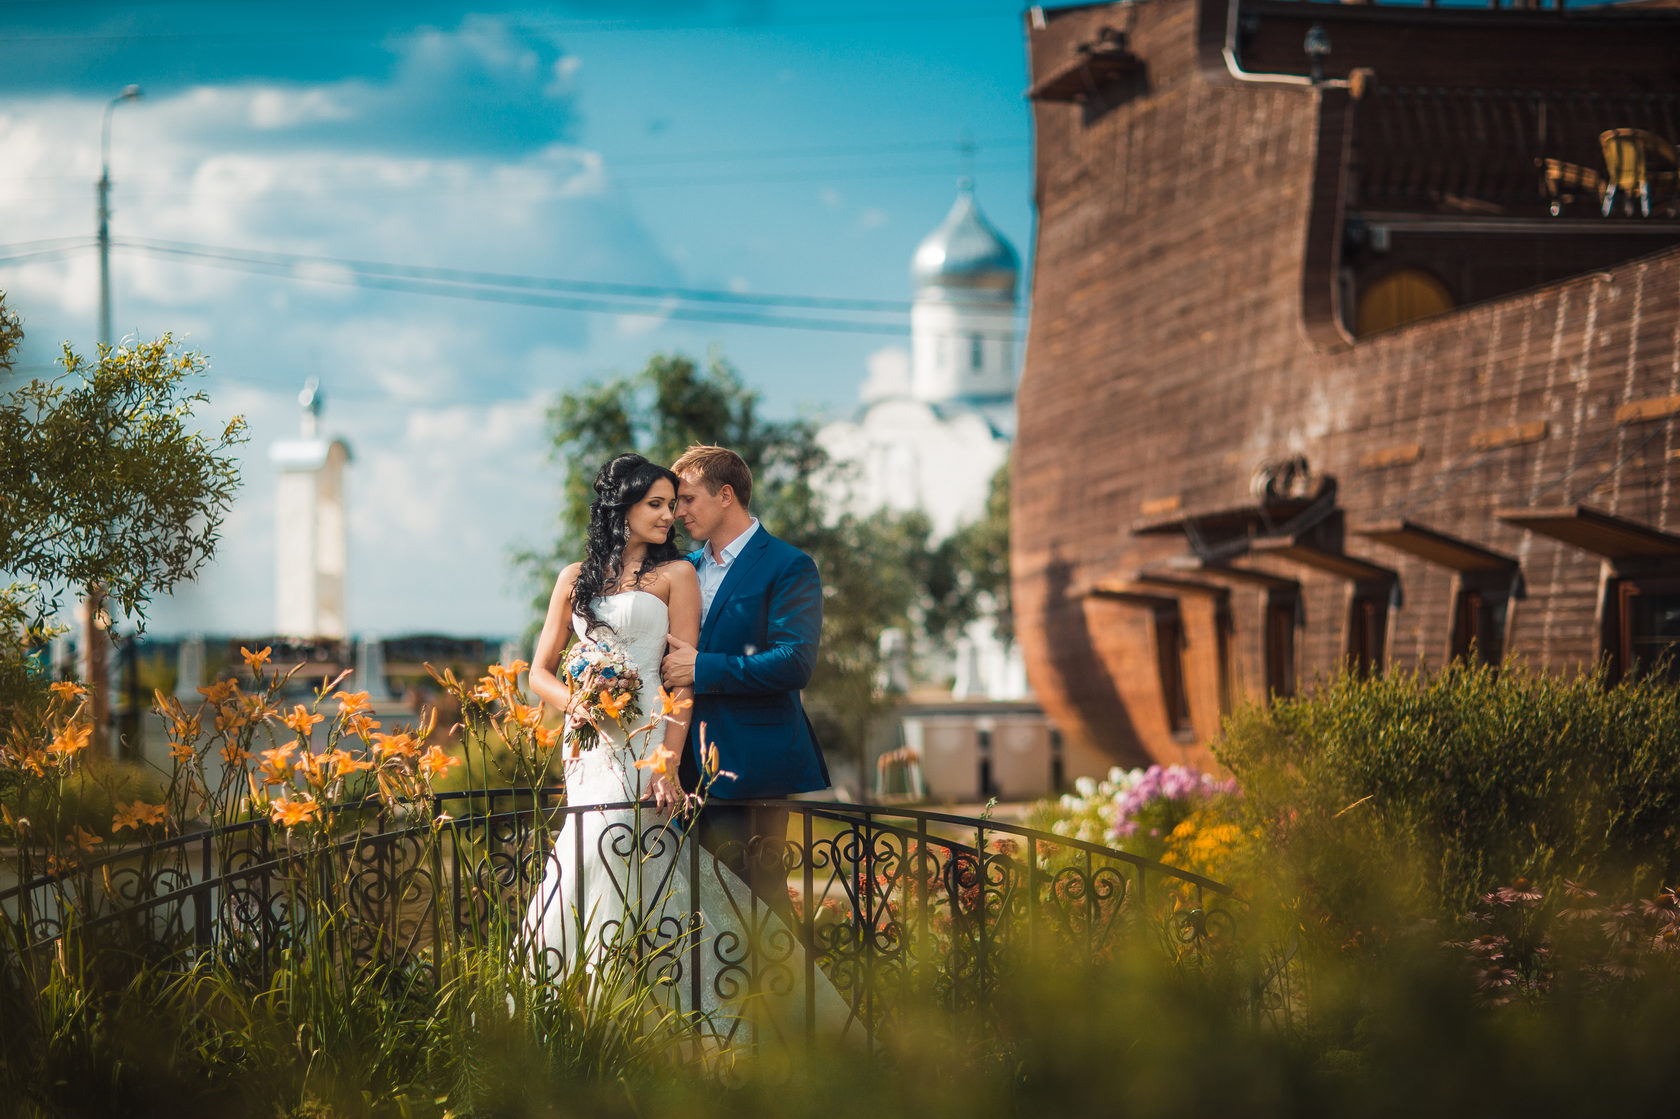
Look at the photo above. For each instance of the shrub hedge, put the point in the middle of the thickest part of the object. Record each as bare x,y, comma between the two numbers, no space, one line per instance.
1435,788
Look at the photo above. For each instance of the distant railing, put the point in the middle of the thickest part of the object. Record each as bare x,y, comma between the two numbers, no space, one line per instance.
886,906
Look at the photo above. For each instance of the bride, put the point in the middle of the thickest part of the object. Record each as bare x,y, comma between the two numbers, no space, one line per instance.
626,879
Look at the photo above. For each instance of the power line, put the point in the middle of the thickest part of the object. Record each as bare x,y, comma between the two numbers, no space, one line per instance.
512,280
418,285
44,255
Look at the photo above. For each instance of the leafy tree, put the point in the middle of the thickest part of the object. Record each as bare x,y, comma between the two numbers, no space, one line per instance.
105,482
874,568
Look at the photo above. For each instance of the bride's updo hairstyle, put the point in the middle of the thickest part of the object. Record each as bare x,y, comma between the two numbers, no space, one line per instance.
619,487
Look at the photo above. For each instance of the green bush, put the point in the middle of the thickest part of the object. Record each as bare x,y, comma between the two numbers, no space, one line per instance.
1425,791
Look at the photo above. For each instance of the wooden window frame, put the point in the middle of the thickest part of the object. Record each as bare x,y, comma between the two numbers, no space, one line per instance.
1169,668
1620,595
1366,648
1282,618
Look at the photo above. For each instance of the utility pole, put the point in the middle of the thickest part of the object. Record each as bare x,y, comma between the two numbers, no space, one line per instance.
96,660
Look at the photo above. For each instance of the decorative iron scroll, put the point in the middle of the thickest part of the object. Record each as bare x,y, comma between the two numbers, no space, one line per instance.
882,907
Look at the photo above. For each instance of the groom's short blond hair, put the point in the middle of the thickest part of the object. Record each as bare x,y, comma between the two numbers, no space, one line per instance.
717,467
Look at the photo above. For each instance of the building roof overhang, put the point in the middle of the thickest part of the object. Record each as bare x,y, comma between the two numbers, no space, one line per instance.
1593,530
1440,548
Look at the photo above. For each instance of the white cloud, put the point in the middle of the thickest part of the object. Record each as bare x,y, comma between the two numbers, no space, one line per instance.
441,400
831,198
870,218
889,374
283,108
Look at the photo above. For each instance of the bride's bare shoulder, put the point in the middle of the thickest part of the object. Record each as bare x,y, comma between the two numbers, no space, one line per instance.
678,573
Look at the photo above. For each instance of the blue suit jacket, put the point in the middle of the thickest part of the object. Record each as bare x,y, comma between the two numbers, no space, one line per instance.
757,649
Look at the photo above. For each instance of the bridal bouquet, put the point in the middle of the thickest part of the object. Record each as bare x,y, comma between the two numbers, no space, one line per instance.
608,686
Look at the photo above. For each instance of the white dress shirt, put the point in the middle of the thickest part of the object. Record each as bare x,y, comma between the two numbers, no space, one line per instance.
712,568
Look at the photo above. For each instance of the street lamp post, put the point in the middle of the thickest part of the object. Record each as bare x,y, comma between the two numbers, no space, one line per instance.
96,665
129,93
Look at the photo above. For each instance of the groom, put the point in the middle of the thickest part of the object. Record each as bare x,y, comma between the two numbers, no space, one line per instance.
761,617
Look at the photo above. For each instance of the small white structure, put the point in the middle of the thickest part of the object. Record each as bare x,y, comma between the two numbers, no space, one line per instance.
310,554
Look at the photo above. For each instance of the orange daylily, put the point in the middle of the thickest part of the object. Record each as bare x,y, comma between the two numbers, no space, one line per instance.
485,691
528,715
353,703
181,751
614,703
507,674
66,689
344,764
291,813
219,692
234,754
72,740
277,765
255,661
138,815
659,761
401,744
302,719
670,705
360,725
434,763
85,839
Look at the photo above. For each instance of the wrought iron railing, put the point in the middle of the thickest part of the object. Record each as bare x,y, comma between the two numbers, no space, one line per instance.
885,906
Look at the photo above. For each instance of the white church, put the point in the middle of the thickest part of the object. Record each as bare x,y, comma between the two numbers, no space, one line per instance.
929,433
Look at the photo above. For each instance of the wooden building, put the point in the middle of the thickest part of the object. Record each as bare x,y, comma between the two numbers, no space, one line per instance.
1355,340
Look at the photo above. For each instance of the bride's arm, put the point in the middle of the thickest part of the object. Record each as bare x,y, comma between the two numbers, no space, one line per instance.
685,624
556,632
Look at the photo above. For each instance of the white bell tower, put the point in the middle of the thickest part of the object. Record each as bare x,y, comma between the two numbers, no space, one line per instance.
962,322
310,553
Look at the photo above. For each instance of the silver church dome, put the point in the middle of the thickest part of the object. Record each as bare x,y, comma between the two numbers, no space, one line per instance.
966,252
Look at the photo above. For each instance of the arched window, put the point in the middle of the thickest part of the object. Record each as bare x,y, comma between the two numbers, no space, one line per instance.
1402,296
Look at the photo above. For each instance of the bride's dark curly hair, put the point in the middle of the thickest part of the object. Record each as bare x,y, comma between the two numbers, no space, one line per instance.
619,487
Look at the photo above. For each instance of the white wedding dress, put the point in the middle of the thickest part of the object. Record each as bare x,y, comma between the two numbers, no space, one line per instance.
625,890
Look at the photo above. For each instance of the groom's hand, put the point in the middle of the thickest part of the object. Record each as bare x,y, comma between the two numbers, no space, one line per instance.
677,669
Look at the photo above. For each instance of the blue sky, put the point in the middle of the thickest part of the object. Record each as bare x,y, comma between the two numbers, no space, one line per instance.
739,147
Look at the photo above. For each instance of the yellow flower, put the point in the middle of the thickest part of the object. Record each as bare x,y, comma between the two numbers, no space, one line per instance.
138,815
255,661
434,763
65,689
302,720
291,813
